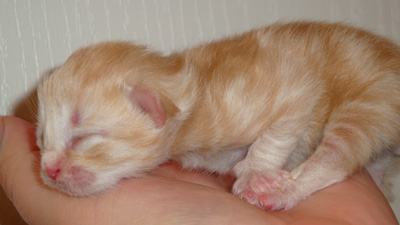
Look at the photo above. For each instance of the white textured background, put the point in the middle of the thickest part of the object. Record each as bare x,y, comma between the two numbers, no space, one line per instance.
37,35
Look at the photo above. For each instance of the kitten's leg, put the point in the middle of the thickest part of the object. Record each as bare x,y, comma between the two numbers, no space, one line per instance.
296,119
268,154
351,137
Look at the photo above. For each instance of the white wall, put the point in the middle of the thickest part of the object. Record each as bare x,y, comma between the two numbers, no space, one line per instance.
36,35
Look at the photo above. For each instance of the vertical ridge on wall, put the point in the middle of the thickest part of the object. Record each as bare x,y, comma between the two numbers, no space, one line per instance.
200,31
48,36
395,20
23,57
35,50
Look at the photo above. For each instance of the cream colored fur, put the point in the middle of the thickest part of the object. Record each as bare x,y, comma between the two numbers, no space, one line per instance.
289,109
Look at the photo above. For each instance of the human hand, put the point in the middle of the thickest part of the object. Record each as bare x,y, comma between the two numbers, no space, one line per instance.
170,195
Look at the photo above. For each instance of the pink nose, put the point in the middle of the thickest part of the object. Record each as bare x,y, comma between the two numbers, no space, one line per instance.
53,172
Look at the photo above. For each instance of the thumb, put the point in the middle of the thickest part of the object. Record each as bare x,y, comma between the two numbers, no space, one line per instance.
19,167
17,146
8,213
16,153
1,129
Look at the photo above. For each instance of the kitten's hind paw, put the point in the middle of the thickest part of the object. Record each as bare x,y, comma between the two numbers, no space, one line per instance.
270,190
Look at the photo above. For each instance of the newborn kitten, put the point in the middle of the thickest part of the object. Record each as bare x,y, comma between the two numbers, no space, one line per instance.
288,109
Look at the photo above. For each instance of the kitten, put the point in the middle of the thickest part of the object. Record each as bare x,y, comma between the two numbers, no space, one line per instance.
288,109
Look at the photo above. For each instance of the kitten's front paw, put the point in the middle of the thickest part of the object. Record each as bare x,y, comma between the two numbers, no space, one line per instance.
270,190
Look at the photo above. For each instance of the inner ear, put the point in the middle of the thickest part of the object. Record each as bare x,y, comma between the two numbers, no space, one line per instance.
148,102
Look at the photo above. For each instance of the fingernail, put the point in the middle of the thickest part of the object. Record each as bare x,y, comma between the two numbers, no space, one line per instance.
1,128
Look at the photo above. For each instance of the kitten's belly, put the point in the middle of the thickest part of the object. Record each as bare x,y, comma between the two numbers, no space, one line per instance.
220,161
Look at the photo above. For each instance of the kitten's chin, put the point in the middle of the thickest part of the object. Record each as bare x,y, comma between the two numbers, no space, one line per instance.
84,184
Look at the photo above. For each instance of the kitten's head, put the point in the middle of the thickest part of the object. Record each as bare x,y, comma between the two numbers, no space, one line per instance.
98,121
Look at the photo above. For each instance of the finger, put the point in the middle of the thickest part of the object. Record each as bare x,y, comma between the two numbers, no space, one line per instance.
17,134
19,171
1,129
8,213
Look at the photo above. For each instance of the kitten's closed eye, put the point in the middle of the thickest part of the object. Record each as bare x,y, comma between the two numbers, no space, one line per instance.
78,140
74,142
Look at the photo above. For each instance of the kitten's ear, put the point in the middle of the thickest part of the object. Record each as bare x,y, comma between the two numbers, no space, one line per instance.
157,105
148,102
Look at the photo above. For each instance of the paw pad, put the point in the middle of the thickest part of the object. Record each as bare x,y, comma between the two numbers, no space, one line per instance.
270,190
